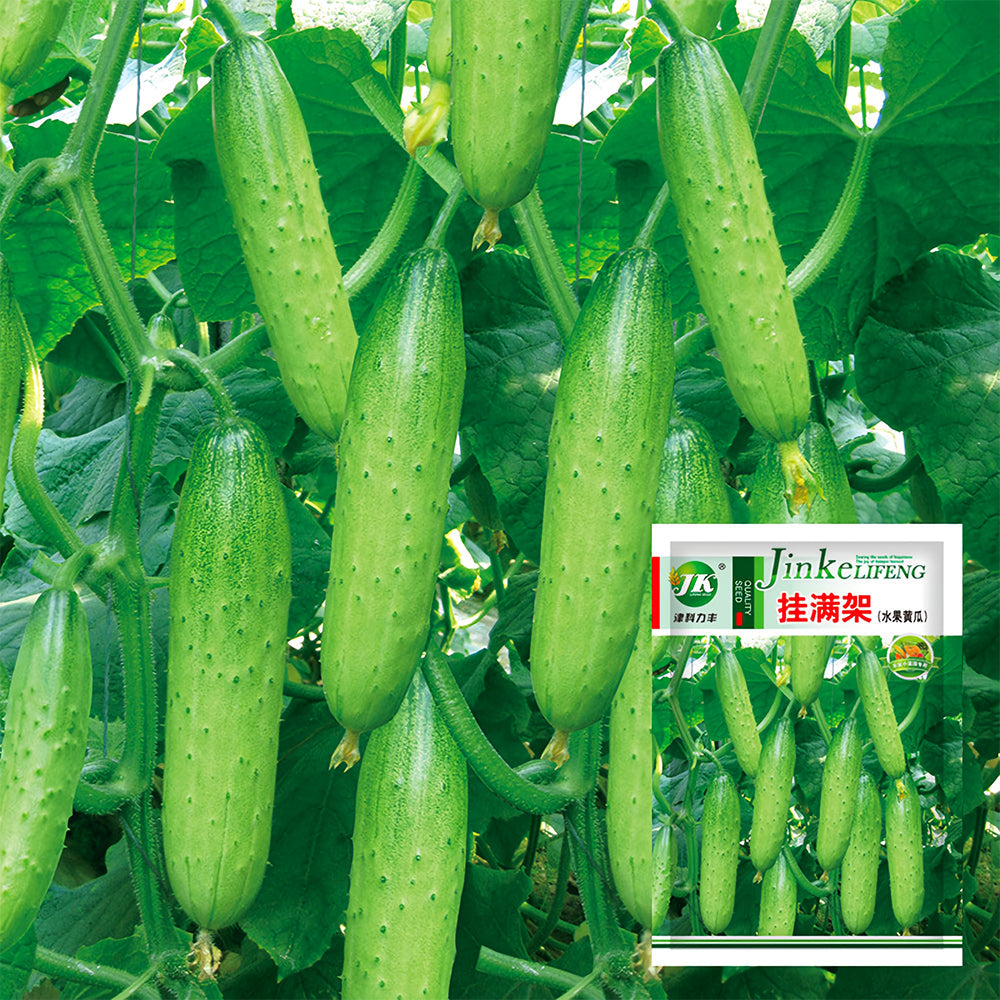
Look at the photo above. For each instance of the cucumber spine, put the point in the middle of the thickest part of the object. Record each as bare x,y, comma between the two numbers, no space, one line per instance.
859,867
738,711
720,853
905,850
772,795
838,795
877,703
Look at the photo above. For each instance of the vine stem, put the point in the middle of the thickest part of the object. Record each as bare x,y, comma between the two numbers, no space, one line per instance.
766,57
491,768
648,231
551,919
800,877
493,963
209,380
859,482
834,235
58,966
914,708
435,238
221,11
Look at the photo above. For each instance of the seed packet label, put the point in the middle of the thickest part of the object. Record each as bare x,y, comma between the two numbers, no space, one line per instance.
814,579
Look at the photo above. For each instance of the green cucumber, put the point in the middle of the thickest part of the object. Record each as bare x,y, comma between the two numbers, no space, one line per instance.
877,703
807,656
504,87
772,795
691,489
605,445
904,850
717,187
664,873
699,16
833,501
630,770
737,710
230,590
408,865
273,188
45,740
779,894
859,868
10,368
720,853
30,29
396,449
838,797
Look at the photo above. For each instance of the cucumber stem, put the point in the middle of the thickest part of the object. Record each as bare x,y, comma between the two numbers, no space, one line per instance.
824,727
882,484
58,966
209,380
766,58
435,238
545,260
223,14
493,963
835,234
551,918
914,708
647,233
490,767
391,232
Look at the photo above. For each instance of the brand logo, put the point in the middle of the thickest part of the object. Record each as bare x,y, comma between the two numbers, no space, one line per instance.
910,656
821,566
694,583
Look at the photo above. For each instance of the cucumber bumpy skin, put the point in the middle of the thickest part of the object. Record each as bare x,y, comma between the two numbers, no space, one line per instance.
877,703
904,850
664,873
691,489
504,88
839,794
30,29
720,853
392,494
779,894
807,656
859,867
408,865
272,185
45,741
738,711
717,187
10,368
605,444
230,590
630,771
772,795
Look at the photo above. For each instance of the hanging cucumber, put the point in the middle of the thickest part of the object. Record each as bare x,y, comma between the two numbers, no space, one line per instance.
691,489
230,590
605,445
718,190
772,795
877,703
30,29
504,87
408,865
904,850
779,894
859,868
392,494
738,711
838,797
45,740
630,769
664,873
720,853
807,656
272,185
833,502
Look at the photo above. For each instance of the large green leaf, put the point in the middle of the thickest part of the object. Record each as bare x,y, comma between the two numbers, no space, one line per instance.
928,362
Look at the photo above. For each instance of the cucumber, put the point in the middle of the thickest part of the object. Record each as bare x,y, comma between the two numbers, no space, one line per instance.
408,865
833,502
273,188
904,850
737,710
877,703
439,41
838,797
392,494
230,590
630,772
45,740
30,29
720,853
691,489
772,795
859,868
504,87
11,323
807,656
779,895
664,873
608,428
699,16
718,190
